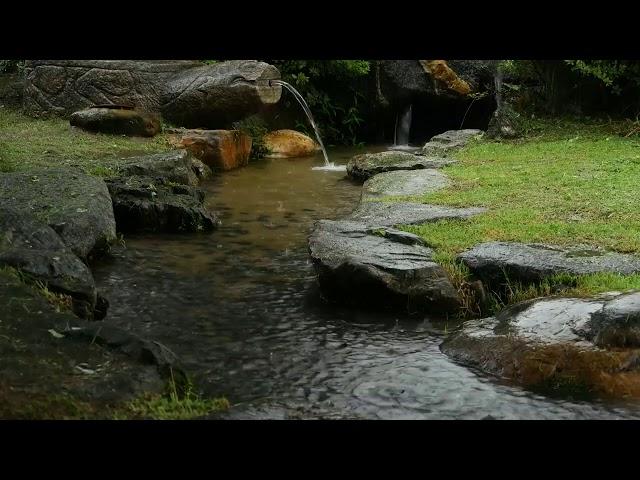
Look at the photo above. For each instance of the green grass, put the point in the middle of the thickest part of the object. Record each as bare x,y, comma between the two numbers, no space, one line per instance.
27,143
178,403
565,183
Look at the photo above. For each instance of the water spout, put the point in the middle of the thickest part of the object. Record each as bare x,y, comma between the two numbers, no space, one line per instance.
307,111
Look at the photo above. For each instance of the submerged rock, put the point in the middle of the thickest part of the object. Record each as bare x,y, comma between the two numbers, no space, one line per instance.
187,93
76,206
362,167
449,142
36,250
565,345
493,262
409,182
156,205
289,144
117,121
379,266
219,149
406,213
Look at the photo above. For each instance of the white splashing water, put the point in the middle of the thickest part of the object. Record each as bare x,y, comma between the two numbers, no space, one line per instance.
327,164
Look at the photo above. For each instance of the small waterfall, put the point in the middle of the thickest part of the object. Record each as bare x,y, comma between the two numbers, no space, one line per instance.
402,130
497,80
327,165
402,133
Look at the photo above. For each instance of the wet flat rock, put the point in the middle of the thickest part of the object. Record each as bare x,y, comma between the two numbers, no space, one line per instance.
405,213
157,205
409,182
533,262
77,206
379,266
362,167
446,143
559,342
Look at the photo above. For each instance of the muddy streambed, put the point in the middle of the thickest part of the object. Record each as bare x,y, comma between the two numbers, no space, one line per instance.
241,309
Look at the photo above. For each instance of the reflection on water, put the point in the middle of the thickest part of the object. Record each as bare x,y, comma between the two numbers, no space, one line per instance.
241,309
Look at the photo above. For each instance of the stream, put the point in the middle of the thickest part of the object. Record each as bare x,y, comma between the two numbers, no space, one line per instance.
241,309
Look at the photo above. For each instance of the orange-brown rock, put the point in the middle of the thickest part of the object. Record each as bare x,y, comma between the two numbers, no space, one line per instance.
440,71
219,149
289,143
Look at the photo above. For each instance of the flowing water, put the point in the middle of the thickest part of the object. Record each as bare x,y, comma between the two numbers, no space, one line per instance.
241,308
330,166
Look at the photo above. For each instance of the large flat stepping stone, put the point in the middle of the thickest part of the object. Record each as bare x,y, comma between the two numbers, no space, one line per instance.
410,182
494,261
379,267
559,343
362,167
406,213
446,143
117,121
77,206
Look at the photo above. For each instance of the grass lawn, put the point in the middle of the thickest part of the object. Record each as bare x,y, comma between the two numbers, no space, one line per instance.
27,143
564,183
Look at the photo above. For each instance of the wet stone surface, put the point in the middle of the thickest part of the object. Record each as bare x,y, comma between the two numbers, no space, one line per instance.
362,167
412,182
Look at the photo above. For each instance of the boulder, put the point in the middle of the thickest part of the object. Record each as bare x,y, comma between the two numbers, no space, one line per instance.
449,142
158,205
505,123
404,81
11,87
176,166
379,267
219,149
76,206
391,214
361,167
289,144
404,182
187,93
559,345
117,120
494,262
34,248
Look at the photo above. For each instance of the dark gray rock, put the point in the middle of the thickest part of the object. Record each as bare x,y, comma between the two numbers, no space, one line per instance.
379,267
156,205
405,213
201,170
449,142
77,206
32,247
42,362
11,87
117,121
176,166
362,167
139,349
505,123
530,263
187,93
404,182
